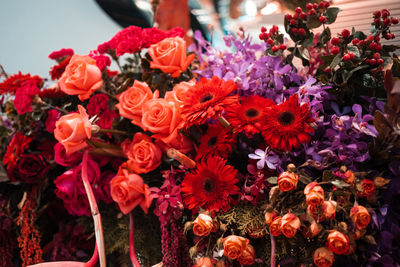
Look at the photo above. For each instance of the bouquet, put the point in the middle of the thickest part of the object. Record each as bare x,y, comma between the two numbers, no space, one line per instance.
260,154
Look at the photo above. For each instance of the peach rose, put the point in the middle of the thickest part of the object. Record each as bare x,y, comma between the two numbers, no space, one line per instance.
287,181
72,130
131,101
129,191
234,246
316,212
323,257
143,154
203,225
179,91
329,209
81,77
169,56
275,227
360,216
314,194
204,262
248,255
269,217
366,188
289,225
349,177
338,243
162,118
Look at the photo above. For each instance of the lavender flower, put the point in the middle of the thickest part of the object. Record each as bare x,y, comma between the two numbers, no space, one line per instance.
265,157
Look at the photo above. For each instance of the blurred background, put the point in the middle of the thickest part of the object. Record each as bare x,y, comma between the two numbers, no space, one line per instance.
30,30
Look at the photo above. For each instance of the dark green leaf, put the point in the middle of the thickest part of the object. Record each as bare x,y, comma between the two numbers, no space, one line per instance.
272,180
354,49
390,48
313,22
309,41
336,60
359,35
331,14
327,176
325,36
350,73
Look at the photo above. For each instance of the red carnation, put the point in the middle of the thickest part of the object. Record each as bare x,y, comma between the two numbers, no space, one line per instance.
24,97
52,116
12,83
57,70
63,52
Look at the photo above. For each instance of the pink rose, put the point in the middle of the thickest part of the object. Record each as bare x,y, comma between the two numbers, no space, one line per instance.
52,117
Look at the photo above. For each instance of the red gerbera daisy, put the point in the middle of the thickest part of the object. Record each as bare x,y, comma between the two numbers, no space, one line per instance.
247,115
207,99
19,143
210,186
286,125
217,141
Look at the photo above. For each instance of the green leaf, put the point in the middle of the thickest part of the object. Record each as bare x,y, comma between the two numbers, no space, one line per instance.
359,35
340,184
313,22
355,70
309,41
354,49
390,48
325,36
328,176
272,180
331,14
336,60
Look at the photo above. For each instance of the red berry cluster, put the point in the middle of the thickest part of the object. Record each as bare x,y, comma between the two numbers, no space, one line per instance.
382,22
271,37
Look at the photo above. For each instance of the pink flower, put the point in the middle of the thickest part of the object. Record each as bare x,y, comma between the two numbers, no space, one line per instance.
64,159
63,52
97,104
24,97
52,116
102,61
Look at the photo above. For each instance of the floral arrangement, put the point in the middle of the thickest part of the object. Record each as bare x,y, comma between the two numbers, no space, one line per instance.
218,157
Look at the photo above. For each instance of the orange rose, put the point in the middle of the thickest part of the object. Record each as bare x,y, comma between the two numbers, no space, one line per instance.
131,101
287,181
162,118
269,217
366,188
234,246
349,177
204,262
323,257
178,93
143,154
81,77
129,190
329,209
309,227
360,216
275,227
289,225
248,255
203,225
314,194
338,243
169,56
72,130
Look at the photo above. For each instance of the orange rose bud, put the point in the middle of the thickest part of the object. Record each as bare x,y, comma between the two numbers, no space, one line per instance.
290,224
380,182
314,194
269,217
204,262
275,226
329,209
81,77
323,257
169,55
349,177
248,255
234,246
72,130
287,181
338,243
203,225
366,188
360,216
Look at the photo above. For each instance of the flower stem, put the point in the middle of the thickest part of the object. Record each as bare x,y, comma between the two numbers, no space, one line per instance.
273,245
132,253
224,122
182,158
112,131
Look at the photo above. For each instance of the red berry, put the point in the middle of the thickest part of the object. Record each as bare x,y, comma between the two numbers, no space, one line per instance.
392,36
395,20
327,4
379,61
327,70
335,41
372,45
377,21
372,61
282,47
362,42
386,36
351,55
295,31
385,13
275,48
323,19
335,50
355,41
276,28
302,31
260,36
296,15
377,39
378,47
288,17
321,5
265,35
367,60
377,14
377,55
263,29
271,31
298,9
370,38
345,33
387,21
293,22
315,5
309,6
346,57
311,12
270,41
303,16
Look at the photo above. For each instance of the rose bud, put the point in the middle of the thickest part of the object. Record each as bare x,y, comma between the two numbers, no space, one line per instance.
215,227
275,227
366,188
287,181
248,255
289,225
274,190
380,182
338,243
314,194
349,177
203,225
234,246
329,209
323,257
360,216
310,227
269,217
204,262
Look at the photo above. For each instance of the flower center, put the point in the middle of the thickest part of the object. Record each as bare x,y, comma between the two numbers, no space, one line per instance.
251,113
206,98
208,185
286,118
212,141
